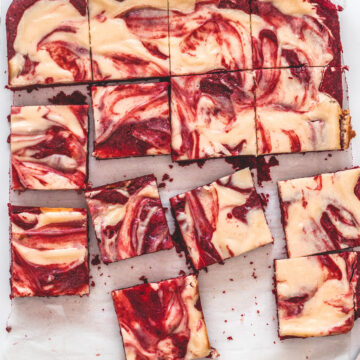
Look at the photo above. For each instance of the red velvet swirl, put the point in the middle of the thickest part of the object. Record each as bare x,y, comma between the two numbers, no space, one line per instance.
141,226
28,236
136,129
155,319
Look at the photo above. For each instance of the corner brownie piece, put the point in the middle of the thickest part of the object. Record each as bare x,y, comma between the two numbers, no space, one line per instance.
301,109
49,251
162,320
213,115
209,35
128,218
316,294
294,33
48,42
131,120
49,147
129,39
321,213
221,220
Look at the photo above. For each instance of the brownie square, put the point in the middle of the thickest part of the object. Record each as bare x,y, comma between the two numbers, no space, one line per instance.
129,39
128,218
300,110
162,320
48,42
315,295
131,120
221,220
213,115
49,147
295,32
356,285
321,213
49,251
207,36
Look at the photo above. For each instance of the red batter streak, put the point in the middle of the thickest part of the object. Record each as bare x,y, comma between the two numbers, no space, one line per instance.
156,320
51,279
133,131
142,230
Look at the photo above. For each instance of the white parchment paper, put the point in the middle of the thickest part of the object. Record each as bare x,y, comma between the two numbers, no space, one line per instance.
237,298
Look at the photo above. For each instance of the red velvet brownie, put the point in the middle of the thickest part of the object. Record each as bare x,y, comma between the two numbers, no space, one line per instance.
321,213
301,109
213,115
356,285
294,33
129,38
48,42
131,120
209,35
221,220
49,147
49,251
128,218
316,294
162,320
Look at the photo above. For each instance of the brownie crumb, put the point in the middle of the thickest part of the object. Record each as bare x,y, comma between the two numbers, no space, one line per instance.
144,279
262,166
76,98
95,260
199,163
264,198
